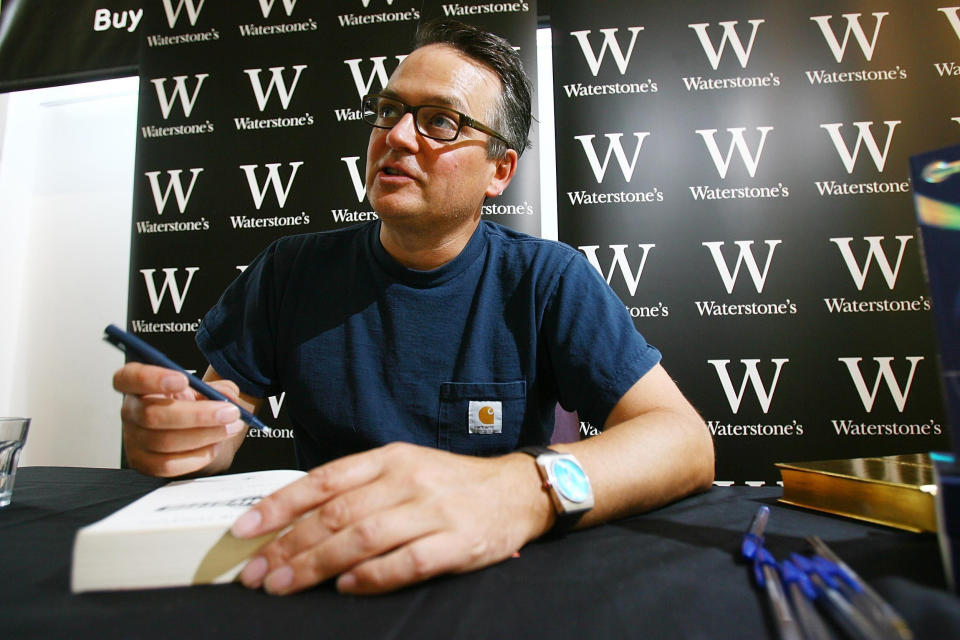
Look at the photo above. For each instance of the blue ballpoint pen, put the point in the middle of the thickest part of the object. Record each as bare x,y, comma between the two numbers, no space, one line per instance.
847,616
139,350
767,576
883,610
803,595
753,538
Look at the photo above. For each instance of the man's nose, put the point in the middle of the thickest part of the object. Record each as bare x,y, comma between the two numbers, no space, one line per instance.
403,134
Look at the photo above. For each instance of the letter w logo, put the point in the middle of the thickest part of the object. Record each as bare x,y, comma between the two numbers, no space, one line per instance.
179,91
877,253
160,196
885,373
193,11
865,136
615,148
729,35
619,262
746,257
853,26
752,375
259,193
170,283
379,72
609,42
952,17
276,80
737,142
359,187
267,6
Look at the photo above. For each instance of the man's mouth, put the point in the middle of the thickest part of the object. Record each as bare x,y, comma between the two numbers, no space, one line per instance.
392,171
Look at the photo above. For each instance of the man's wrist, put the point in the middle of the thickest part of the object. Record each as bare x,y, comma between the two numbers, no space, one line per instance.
535,500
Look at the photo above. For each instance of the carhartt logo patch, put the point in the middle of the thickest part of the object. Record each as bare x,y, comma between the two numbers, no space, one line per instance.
485,416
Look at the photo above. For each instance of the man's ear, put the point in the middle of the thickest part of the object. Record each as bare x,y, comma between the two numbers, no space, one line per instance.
503,173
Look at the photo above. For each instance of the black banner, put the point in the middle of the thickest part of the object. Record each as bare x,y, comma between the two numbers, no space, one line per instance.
739,174
52,42
249,130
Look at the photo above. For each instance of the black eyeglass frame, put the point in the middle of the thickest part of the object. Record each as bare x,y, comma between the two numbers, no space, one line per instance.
463,120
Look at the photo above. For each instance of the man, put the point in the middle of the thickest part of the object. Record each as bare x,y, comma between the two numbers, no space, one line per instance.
440,334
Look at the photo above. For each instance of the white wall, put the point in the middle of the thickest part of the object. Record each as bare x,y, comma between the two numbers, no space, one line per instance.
66,183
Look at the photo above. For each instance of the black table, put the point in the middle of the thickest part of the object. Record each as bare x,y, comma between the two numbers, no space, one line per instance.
671,573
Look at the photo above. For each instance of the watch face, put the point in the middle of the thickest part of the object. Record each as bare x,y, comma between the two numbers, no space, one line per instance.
570,480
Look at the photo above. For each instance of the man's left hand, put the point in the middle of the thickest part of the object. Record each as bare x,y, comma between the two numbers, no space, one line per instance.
394,516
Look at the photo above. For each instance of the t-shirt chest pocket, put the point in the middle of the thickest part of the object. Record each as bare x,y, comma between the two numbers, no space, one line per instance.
481,418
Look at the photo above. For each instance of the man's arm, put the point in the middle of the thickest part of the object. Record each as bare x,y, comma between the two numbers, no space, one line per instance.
170,430
396,515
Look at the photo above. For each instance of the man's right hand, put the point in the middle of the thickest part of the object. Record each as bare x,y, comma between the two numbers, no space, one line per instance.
171,430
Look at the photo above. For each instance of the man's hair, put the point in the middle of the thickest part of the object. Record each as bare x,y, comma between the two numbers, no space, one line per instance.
513,112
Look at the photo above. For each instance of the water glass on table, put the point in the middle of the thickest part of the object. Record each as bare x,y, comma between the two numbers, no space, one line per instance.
13,434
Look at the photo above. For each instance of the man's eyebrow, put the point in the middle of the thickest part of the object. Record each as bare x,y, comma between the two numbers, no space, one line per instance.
435,99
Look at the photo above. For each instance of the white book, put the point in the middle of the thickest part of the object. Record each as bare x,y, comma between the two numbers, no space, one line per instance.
176,535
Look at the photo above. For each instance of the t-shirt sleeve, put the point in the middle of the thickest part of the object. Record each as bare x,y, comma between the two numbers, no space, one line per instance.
238,335
596,352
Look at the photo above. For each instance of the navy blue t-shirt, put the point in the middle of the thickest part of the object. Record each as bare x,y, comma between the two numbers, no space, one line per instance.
471,357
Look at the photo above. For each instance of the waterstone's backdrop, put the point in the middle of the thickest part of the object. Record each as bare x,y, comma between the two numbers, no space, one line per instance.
737,172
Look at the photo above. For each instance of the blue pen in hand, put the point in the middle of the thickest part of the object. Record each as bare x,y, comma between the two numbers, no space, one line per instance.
140,351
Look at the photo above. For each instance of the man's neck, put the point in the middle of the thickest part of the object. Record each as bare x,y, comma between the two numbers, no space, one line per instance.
416,249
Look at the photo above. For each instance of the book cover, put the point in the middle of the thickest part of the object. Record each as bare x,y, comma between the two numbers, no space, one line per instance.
176,535
897,491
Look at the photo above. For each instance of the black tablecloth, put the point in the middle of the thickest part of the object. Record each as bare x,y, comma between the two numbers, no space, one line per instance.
671,573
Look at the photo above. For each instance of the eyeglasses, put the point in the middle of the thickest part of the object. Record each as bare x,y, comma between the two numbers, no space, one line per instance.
438,123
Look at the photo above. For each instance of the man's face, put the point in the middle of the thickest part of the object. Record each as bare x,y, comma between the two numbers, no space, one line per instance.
411,178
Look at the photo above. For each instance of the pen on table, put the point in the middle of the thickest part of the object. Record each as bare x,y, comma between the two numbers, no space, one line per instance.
881,607
766,573
143,352
753,538
847,616
803,595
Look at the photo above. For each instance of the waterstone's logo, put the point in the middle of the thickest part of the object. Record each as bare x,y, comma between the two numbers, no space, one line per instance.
729,40
266,8
764,393
357,20
452,10
950,69
622,264
867,45
611,44
258,193
865,138
161,195
899,393
627,167
174,287
347,215
745,258
173,9
860,268
187,99
750,158
284,84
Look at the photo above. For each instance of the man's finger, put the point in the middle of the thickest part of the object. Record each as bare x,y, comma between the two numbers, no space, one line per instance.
163,412
371,537
317,526
314,489
420,560
140,379
171,465
180,440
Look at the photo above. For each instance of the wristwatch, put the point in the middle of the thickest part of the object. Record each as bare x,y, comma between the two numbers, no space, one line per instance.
566,482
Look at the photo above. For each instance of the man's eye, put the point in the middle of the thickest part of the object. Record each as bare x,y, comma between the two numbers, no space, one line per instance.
387,110
442,120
